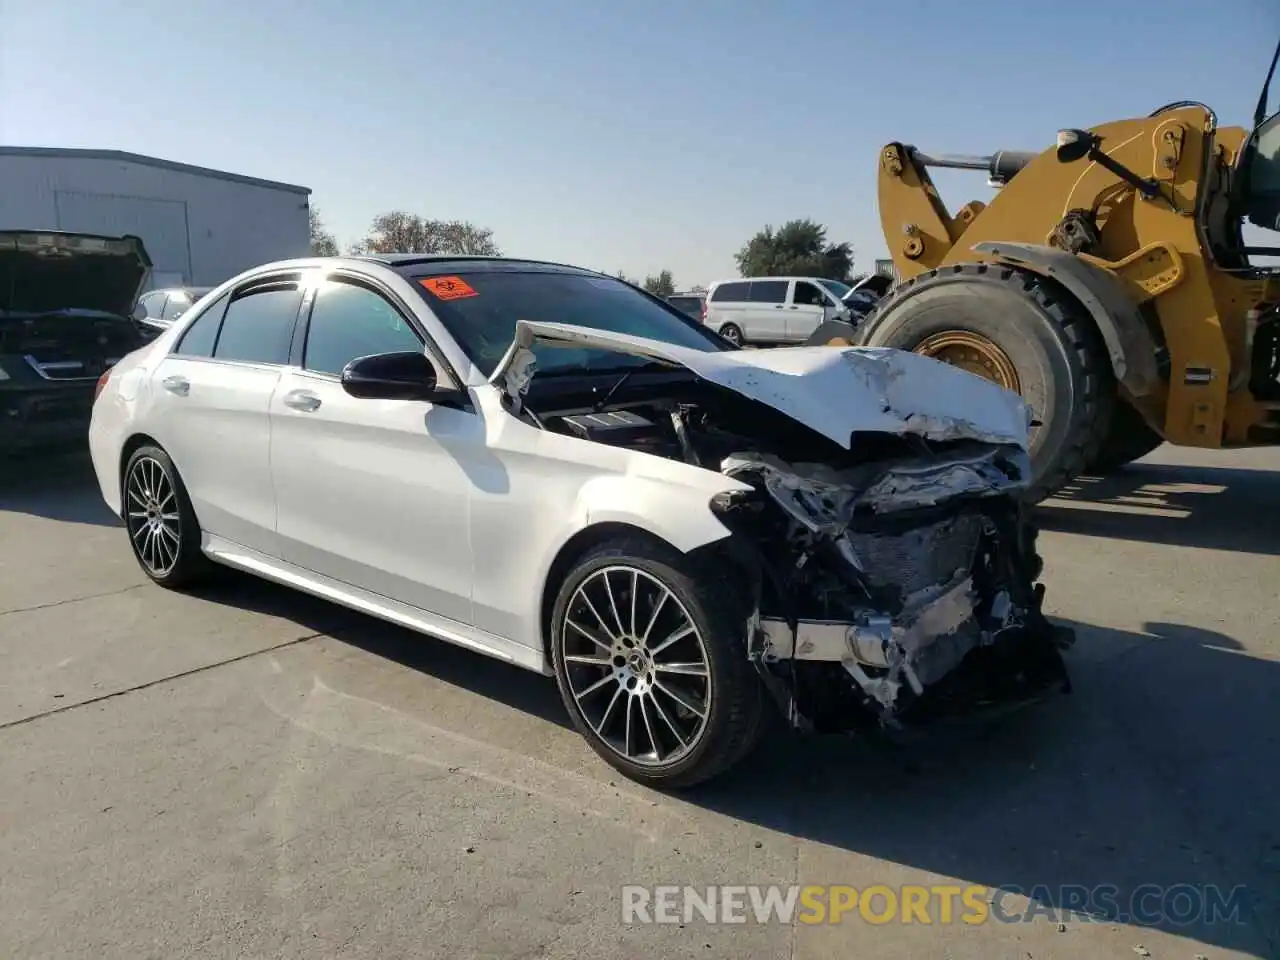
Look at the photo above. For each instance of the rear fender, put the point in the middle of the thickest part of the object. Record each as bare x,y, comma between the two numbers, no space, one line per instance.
1130,346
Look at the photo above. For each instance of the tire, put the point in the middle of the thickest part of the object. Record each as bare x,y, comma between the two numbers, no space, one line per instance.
733,333
165,542
1061,365
599,696
1128,439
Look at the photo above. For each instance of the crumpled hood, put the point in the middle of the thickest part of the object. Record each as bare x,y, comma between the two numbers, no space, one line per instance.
44,271
835,391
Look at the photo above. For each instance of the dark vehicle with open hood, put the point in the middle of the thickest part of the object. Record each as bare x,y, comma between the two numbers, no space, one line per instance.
66,316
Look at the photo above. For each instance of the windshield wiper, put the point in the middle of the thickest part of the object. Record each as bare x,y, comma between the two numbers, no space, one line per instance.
647,365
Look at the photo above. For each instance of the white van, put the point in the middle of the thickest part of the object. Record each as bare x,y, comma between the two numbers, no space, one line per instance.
770,310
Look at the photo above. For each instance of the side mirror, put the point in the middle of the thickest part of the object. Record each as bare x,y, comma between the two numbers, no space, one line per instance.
139,312
1074,145
391,376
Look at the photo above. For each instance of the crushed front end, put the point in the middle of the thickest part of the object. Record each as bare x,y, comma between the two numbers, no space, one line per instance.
896,591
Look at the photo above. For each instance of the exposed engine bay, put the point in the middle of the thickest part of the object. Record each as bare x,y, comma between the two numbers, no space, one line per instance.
892,581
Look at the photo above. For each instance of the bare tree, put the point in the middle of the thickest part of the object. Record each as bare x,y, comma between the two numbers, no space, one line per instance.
399,232
322,242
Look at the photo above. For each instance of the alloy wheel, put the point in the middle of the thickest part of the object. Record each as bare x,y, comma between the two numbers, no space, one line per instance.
637,665
151,515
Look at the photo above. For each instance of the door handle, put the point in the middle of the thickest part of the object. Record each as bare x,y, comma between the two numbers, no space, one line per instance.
778,307
303,400
795,306
180,386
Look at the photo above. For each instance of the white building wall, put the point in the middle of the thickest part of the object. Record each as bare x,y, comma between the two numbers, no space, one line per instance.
199,228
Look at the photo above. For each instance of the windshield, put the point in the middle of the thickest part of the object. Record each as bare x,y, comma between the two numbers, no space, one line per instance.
836,287
480,310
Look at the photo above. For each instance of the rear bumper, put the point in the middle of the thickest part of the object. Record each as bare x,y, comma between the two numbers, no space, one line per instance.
54,416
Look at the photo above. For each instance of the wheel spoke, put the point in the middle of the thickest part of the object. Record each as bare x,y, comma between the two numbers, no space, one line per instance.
674,638
613,606
667,720
680,699
653,617
593,661
684,669
608,711
607,678
595,613
635,588
648,727
586,633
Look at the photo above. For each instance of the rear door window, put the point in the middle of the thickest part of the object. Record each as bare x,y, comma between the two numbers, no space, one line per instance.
768,291
258,326
199,338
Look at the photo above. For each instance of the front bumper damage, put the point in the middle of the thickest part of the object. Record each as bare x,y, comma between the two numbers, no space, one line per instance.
896,593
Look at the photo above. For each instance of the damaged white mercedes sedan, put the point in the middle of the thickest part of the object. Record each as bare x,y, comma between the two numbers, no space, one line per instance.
550,466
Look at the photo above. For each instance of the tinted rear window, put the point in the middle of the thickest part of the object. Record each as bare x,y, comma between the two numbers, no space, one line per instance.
480,310
768,291
730,293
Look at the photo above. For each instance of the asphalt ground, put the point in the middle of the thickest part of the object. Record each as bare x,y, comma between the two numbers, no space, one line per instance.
249,772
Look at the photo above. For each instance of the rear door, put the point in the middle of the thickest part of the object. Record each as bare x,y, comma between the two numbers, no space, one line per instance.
768,321
727,304
210,407
806,310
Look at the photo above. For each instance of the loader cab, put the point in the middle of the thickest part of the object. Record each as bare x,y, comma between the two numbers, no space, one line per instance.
1258,176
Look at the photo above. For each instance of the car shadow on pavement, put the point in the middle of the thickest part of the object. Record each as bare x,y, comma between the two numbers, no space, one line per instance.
1190,506
482,675
60,487
1160,768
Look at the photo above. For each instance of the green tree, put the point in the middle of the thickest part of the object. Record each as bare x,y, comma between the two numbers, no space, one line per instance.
399,232
322,242
797,248
661,285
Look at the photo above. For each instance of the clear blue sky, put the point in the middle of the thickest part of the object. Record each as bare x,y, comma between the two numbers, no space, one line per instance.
614,134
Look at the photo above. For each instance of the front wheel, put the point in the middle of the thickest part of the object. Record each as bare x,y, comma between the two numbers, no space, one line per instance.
651,661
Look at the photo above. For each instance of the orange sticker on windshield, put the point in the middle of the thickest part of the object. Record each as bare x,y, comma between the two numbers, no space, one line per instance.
449,288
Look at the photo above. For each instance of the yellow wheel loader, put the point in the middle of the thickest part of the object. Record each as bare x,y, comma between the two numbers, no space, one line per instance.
1108,282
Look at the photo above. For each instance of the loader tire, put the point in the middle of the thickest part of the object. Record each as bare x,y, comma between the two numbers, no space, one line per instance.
1129,439
1018,329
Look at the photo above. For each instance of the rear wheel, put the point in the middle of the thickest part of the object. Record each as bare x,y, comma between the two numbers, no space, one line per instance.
732,333
650,657
162,525
1018,330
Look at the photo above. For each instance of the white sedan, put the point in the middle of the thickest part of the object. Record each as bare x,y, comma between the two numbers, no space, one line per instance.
552,467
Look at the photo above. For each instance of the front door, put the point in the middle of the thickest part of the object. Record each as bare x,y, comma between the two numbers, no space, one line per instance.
372,493
806,310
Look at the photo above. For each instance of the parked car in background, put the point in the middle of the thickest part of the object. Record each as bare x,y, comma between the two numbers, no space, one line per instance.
66,302
161,307
771,310
545,465
692,304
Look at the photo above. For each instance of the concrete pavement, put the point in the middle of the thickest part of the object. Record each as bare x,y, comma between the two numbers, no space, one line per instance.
249,772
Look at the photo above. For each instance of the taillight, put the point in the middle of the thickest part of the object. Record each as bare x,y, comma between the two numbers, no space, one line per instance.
102,383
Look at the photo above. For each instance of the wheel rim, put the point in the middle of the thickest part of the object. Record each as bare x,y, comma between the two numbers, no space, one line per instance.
152,516
636,666
732,335
973,353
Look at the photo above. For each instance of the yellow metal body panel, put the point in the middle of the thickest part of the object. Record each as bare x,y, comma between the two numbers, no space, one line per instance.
1154,246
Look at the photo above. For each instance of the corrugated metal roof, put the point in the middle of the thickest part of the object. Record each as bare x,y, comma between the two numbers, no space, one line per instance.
122,156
